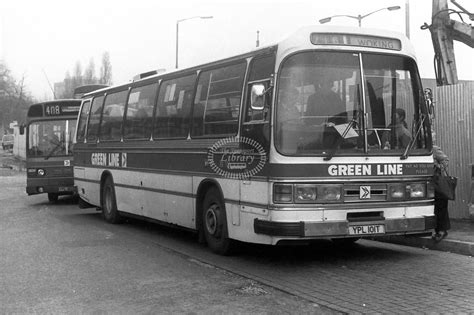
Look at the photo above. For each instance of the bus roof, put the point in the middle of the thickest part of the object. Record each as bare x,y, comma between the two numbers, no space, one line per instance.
176,72
88,88
346,38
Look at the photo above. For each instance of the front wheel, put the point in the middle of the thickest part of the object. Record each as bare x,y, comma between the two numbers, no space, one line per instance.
109,202
215,223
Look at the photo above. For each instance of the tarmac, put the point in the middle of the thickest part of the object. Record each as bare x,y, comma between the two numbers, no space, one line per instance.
460,239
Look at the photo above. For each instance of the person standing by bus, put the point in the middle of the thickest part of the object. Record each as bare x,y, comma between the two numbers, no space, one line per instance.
443,223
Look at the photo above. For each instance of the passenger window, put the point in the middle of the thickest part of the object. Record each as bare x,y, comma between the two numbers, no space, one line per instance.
217,101
112,117
81,128
139,117
173,108
94,118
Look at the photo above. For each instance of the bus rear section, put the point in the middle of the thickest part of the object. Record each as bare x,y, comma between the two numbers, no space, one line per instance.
49,161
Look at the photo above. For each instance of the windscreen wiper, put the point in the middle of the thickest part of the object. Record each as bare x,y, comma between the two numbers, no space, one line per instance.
404,156
57,146
50,154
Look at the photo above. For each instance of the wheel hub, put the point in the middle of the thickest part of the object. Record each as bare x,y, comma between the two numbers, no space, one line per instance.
211,219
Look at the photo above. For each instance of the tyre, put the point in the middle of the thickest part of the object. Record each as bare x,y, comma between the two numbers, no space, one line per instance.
53,198
109,202
215,223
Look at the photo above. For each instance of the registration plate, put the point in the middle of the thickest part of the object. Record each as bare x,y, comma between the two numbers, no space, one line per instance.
366,229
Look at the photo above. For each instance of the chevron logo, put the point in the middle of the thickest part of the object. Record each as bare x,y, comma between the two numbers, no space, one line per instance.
364,192
124,159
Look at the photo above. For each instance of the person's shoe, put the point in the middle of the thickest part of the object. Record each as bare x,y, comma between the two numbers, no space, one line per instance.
445,234
440,236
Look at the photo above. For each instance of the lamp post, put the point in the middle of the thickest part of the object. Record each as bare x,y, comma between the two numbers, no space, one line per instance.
177,31
358,17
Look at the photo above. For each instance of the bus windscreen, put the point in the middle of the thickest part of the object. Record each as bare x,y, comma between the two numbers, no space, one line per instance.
51,138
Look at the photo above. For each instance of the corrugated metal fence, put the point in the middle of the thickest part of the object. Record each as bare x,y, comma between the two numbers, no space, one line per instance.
454,126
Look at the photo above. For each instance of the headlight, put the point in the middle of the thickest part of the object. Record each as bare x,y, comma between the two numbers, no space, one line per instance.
282,193
330,193
41,172
417,190
305,193
396,191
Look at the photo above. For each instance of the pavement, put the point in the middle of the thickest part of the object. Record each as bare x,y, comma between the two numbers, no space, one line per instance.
460,239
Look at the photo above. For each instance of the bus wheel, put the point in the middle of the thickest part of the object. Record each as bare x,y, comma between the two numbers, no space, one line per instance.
109,203
53,198
215,223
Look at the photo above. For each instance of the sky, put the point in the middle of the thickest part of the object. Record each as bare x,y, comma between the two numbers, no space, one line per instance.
42,40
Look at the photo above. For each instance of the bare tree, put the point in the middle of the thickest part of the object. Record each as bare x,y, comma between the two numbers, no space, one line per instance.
14,98
106,69
77,76
7,83
89,73
68,86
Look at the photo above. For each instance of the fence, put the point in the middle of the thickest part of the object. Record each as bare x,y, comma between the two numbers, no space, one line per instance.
454,126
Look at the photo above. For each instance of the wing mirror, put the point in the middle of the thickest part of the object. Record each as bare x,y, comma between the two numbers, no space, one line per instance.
257,96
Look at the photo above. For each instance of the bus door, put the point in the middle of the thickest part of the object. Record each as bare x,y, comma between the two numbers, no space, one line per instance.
257,109
255,131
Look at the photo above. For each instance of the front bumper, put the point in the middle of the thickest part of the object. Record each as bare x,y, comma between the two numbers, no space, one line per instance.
341,228
55,185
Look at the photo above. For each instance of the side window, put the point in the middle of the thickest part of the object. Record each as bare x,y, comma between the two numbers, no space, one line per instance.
94,118
261,68
173,108
112,117
139,116
217,101
261,71
81,127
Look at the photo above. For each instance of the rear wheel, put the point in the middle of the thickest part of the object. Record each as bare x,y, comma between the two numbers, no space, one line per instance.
53,198
215,223
109,202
